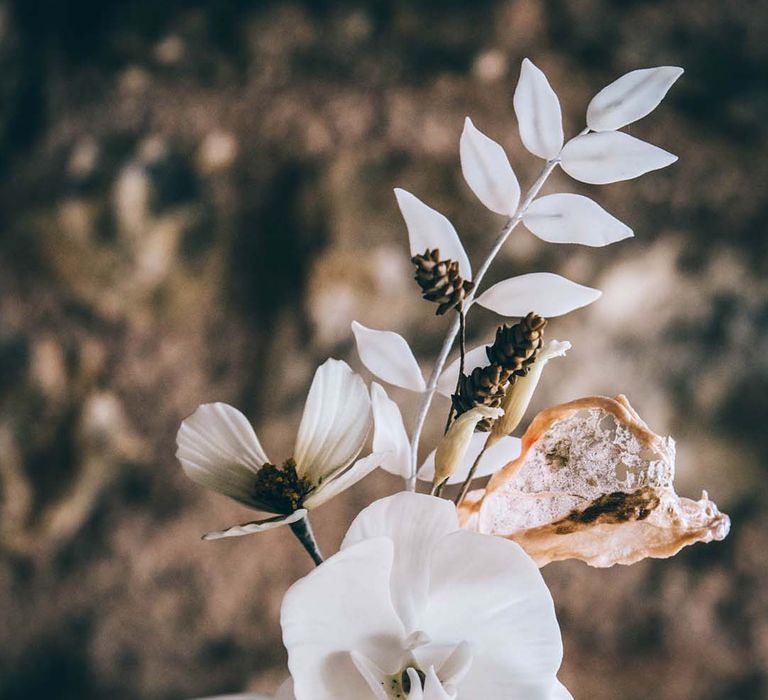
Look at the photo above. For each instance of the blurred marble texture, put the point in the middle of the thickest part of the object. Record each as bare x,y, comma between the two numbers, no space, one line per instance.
197,201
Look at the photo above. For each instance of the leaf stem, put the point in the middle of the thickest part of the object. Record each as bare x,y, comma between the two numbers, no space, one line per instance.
501,239
303,531
468,480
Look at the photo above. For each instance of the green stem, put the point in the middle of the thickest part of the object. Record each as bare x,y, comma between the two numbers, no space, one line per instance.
303,531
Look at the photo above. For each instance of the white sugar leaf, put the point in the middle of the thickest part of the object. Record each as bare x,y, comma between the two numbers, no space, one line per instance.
538,113
545,293
477,357
388,355
630,98
611,156
487,171
573,218
390,438
429,229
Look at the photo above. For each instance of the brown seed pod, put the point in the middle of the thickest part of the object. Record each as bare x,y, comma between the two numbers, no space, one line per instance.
440,281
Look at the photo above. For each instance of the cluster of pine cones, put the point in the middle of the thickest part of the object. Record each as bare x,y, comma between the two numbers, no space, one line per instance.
514,350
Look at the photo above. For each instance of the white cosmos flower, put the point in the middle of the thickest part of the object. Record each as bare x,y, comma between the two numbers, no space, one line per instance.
218,449
413,607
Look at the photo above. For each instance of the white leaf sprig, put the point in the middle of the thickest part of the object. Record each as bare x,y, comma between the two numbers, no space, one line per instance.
573,218
538,113
387,355
611,156
428,229
487,171
631,97
550,294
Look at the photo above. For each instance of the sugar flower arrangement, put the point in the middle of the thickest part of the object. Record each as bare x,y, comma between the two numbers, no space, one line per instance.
438,598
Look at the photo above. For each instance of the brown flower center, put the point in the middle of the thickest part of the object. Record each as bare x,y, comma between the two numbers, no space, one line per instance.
280,489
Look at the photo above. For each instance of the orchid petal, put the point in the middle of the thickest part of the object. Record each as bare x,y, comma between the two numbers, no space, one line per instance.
387,355
631,97
543,292
390,438
456,666
336,420
256,526
374,676
611,156
560,692
218,449
477,357
433,688
429,229
506,615
487,171
335,485
538,113
339,607
573,218
496,457
415,523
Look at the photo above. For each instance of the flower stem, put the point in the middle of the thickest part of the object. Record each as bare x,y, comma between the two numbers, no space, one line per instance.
468,480
429,392
303,531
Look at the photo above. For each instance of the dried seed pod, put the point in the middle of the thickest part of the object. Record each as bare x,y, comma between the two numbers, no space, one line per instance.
594,483
440,281
516,347
484,386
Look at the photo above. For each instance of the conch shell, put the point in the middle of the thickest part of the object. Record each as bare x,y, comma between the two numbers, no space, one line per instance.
594,483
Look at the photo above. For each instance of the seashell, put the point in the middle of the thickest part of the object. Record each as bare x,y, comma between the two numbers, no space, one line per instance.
594,483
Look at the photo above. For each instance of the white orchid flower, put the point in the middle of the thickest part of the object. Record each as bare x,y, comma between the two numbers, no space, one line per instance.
218,449
401,612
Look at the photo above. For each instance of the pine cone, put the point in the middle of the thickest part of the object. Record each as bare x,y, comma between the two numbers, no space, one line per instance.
484,385
516,347
440,280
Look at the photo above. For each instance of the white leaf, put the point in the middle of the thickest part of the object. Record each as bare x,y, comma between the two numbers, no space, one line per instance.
543,292
390,438
476,357
257,526
496,457
611,156
573,218
429,229
538,113
630,98
487,171
388,355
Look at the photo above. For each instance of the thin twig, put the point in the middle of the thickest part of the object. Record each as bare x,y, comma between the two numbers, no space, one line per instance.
429,392
467,481
303,531
462,354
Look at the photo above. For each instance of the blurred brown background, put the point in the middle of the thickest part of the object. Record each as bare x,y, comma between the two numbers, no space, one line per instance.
196,202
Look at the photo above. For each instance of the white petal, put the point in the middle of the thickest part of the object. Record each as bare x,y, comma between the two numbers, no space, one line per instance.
506,615
433,689
336,420
543,292
456,666
374,676
611,156
256,526
335,485
414,522
560,692
477,357
538,113
218,449
341,606
573,218
497,456
429,229
487,171
388,355
630,98
390,438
